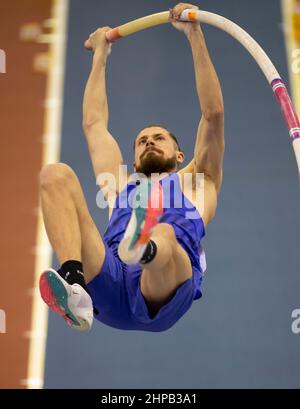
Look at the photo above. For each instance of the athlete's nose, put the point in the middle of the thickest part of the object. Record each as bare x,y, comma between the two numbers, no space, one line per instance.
149,142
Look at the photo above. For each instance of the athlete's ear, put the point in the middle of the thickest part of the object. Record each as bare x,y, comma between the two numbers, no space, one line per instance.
180,156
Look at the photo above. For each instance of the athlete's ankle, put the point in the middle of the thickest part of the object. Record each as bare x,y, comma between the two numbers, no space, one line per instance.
72,272
149,253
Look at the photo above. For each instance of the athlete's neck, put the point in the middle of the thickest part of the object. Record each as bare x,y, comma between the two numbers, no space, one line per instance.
154,176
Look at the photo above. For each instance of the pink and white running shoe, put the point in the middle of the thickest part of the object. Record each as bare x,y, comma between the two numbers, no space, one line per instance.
71,302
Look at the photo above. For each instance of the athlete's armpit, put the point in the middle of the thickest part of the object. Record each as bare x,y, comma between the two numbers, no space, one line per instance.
210,200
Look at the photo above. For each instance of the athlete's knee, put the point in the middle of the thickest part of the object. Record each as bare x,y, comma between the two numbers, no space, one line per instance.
56,175
164,232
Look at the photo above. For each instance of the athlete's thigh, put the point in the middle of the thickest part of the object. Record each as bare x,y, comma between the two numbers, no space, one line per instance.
158,287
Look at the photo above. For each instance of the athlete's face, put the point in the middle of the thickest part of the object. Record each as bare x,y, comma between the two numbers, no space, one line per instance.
156,152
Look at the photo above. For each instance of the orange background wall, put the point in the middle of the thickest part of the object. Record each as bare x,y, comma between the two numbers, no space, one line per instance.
22,94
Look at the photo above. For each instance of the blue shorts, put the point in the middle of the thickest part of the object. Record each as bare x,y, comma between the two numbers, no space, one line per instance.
116,294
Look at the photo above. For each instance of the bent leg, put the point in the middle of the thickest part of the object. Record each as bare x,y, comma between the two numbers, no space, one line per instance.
167,271
70,228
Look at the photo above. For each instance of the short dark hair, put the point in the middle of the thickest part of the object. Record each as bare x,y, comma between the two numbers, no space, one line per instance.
166,129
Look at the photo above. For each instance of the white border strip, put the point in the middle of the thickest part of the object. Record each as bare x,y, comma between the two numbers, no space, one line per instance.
51,153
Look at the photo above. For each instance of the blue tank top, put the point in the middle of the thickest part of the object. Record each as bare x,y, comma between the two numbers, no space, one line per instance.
178,212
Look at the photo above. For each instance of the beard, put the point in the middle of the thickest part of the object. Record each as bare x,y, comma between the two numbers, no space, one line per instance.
154,162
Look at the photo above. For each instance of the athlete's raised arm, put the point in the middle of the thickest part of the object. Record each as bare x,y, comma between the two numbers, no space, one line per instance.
104,150
209,147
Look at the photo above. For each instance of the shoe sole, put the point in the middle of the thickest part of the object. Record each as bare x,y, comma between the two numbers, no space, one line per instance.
55,295
140,226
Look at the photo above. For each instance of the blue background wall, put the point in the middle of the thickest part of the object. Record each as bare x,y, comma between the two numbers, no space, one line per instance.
239,334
